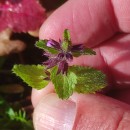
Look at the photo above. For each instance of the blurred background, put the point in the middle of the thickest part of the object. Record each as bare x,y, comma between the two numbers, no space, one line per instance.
20,21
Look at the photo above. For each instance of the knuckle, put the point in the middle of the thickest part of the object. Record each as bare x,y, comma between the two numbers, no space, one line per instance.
124,123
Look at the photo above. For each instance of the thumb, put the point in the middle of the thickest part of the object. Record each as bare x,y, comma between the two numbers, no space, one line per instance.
81,112
53,113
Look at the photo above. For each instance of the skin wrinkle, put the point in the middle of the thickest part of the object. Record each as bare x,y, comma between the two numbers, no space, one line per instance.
110,76
90,14
73,19
104,60
104,118
78,16
89,121
108,22
90,125
117,56
107,70
116,25
125,119
122,12
119,122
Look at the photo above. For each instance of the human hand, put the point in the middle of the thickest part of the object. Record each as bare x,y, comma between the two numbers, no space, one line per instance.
105,26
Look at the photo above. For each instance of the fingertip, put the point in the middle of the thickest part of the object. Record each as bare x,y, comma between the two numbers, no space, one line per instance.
54,113
84,19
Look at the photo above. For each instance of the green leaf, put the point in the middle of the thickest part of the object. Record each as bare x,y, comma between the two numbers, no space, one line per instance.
66,35
64,84
42,45
66,40
33,75
18,116
86,51
65,46
89,80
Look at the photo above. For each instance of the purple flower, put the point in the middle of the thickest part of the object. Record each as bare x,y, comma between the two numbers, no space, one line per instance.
61,53
54,44
63,56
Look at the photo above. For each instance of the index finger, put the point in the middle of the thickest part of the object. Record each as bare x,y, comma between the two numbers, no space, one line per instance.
89,21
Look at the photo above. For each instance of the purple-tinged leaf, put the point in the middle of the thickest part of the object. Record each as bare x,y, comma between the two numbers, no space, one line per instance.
21,15
69,57
78,47
78,50
53,44
47,73
51,62
47,78
42,44
60,56
62,67
47,54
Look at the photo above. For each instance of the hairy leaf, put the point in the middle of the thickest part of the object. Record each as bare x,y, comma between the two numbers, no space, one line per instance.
42,45
33,75
66,40
86,51
89,80
64,84
66,35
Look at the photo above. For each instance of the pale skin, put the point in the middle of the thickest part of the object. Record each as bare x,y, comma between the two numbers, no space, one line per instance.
105,26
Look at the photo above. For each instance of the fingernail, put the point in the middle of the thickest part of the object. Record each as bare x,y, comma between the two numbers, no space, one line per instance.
53,113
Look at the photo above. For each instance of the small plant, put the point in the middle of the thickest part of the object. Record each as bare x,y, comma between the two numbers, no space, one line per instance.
11,119
66,79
